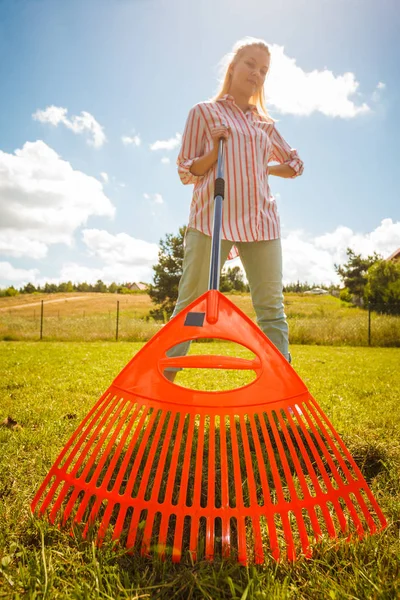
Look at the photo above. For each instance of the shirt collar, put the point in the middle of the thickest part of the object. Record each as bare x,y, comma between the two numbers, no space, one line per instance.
231,99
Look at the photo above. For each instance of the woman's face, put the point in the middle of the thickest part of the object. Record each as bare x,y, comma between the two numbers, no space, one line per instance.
248,74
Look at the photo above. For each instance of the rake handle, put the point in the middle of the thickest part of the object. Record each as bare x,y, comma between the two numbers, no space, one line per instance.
219,191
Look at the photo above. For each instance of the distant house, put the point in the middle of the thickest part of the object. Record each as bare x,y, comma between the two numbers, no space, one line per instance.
395,256
317,291
138,287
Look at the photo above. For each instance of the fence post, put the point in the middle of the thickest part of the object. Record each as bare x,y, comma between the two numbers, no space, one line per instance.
41,320
116,333
369,324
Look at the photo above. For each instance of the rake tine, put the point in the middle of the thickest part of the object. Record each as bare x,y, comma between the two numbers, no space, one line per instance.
210,524
120,446
273,539
105,523
199,464
226,538
186,463
120,522
174,461
365,511
138,459
194,528
150,458
177,546
131,447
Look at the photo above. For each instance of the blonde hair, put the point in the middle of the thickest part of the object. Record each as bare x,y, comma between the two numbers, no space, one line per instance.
231,59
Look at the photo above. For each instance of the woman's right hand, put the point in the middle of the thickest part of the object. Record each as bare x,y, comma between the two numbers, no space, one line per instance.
223,131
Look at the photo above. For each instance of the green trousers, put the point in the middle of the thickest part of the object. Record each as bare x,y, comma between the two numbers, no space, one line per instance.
262,262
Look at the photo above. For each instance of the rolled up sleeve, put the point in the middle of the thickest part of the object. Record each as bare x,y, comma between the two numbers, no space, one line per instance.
282,153
192,146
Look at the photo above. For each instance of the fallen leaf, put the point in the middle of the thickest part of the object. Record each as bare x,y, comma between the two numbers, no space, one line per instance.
10,423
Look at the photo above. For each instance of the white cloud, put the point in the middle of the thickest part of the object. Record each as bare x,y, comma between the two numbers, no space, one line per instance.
120,248
79,273
17,244
104,177
17,277
165,160
120,273
376,94
291,90
128,141
124,258
383,240
154,198
85,123
44,200
313,259
158,199
304,261
170,144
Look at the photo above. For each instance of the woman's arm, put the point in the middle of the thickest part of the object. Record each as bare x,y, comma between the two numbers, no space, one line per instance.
290,164
201,165
192,145
281,171
204,163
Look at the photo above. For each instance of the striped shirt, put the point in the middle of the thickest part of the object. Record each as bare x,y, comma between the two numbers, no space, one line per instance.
249,211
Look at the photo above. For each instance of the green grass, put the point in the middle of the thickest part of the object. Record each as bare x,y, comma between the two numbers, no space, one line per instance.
48,388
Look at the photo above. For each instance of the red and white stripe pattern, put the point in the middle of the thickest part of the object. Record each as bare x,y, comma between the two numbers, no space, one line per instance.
250,213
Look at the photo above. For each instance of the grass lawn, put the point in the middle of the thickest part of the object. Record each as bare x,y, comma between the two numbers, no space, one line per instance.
48,388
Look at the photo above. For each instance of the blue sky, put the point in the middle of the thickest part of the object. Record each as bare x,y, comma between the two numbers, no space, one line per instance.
94,97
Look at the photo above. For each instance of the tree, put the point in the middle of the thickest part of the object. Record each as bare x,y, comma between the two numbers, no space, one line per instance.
354,274
65,286
11,291
50,288
383,287
100,286
232,280
29,288
225,284
167,273
83,287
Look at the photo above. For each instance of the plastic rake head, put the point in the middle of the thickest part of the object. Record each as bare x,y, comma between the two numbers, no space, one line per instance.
248,473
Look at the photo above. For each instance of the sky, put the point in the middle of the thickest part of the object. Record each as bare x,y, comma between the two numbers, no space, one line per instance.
94,95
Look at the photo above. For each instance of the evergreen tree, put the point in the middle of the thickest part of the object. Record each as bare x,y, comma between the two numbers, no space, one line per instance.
234,276
354,274
225,283
83,287
65,286
383,288
100,286
167,273
29,288
50,288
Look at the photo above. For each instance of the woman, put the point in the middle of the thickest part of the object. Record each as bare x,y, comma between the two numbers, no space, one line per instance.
250,221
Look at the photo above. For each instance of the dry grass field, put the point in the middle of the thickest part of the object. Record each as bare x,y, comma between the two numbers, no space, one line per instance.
322,320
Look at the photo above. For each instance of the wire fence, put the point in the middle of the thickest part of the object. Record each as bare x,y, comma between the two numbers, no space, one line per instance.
50,322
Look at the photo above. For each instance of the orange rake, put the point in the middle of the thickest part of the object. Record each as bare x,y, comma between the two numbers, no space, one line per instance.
249,472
